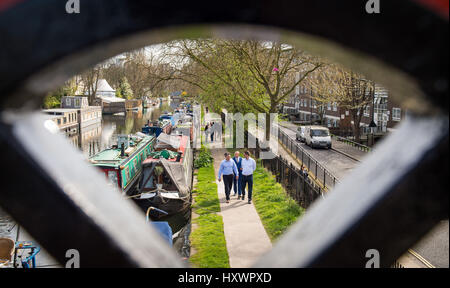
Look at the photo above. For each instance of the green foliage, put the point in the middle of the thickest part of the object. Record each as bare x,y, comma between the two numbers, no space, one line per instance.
53,99
124,90
204,158
208,239
276,209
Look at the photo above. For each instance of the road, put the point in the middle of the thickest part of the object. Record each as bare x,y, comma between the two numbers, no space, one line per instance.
337,164
434,247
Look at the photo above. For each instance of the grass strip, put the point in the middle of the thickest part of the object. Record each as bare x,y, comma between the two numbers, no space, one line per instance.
208,239
275,208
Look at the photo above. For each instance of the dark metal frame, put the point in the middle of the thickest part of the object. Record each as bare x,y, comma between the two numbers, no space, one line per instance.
374,207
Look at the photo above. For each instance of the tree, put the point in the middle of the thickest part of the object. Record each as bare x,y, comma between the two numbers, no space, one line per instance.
246,76
90,80
53,99
124,90
350,90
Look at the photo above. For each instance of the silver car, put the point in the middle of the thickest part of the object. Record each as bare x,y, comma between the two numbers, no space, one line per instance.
300,134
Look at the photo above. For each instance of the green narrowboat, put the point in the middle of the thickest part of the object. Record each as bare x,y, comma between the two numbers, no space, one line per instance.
122,162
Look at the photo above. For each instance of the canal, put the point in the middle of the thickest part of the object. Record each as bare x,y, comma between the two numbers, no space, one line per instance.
94,139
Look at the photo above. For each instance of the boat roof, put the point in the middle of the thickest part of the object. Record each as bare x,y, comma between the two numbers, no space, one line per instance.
111,157
175,170
178,142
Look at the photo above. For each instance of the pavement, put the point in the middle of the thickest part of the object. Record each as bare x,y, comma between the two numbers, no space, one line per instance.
245,235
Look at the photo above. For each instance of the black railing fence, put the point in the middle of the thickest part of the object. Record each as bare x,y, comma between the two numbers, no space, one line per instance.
352,143
297,185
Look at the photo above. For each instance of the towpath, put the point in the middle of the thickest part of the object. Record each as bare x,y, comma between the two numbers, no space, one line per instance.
245,235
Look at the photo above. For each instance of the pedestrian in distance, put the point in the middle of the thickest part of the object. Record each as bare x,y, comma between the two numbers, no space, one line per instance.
212,131
228,170
237,183
207,132
248,167
304,172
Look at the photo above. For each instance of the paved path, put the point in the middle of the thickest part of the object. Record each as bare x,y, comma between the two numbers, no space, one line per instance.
245,235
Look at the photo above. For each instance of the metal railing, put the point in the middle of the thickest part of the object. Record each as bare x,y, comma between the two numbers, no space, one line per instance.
317,171
352,143
298,187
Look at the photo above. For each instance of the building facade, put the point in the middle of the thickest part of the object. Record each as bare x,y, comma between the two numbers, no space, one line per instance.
305,110
87,115
65,119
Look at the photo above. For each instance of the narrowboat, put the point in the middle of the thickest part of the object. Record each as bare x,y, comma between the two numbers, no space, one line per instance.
157,127
166,178
122,163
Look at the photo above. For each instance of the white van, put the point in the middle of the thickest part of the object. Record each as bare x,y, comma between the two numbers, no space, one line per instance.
318,136
300,134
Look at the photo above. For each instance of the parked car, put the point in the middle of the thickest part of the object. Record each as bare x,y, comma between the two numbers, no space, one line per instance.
300,135
318,136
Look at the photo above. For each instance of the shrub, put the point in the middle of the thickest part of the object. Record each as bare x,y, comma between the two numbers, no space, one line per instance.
204,158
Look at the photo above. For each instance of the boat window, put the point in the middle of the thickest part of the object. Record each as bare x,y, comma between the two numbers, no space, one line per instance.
135,164
127,173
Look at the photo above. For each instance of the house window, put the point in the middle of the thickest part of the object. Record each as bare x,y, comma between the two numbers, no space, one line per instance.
396,114
328,106
334,106
77,102
68,101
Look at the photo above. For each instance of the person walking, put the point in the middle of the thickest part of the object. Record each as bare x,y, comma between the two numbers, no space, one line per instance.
237,182
248,166
304,172
212,131
207,132
228,169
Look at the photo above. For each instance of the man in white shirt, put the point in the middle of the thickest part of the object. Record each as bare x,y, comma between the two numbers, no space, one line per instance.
248,166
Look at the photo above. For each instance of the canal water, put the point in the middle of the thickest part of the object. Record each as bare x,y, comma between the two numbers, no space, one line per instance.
94,139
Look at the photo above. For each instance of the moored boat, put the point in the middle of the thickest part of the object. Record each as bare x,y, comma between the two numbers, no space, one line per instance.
122,163
166,179
157,127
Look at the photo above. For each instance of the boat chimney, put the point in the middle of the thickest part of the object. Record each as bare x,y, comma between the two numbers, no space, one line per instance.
179,157
122,150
